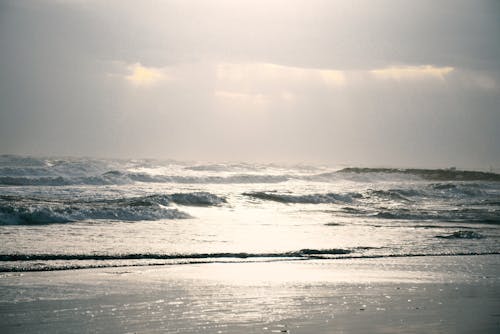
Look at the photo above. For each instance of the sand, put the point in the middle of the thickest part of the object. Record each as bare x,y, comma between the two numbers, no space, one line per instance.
448,294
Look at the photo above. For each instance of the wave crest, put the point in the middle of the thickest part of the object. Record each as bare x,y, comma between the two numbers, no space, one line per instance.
240,255
304,199
16,210
450,174
117,177
39,215
462,235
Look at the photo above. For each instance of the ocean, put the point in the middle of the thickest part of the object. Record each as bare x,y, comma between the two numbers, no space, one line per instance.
71,213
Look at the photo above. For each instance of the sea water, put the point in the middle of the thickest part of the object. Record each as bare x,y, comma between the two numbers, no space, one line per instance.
61,213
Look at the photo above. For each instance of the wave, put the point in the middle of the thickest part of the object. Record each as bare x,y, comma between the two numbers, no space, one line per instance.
21,161
117,177
427,174
51,262
453,215
393,194
17,210
304,199
34,181
462,235
469,192
238,178
29,215
32,171
197,199
221,167
240,255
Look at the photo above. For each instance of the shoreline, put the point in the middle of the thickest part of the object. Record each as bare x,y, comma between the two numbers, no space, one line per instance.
173,260
459,294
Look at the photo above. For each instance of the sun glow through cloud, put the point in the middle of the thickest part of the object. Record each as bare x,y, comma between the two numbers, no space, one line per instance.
267,72
257,99
144,76
412,72
260,84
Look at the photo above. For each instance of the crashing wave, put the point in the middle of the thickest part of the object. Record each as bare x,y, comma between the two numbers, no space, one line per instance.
304,199
462,235
38,215
15,210
428,174
49,262
458,215
393,194
46,262
117,177
240,255
197,199
210,168
34,181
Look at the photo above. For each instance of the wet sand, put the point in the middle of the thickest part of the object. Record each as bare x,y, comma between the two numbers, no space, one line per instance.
456,294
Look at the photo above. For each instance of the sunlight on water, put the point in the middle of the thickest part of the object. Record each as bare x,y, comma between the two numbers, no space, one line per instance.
81,212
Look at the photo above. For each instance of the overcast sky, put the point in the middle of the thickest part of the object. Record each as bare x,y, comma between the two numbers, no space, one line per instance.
372,83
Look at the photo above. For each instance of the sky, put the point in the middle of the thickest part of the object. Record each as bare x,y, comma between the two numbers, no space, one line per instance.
367,83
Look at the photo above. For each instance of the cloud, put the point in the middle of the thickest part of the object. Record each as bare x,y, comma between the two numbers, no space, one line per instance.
140,75
272,79
483,81
262,84
247,73
412,72
332,78
238,97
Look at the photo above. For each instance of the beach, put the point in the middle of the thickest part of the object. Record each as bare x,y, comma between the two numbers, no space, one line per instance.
149,246
443,294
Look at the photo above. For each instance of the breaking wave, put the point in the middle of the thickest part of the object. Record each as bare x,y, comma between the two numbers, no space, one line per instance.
16,210
50,262
32,171
393,195
33,181
117,177
455,215
47,262
304,199
427,174
242,255
39,215
462,235
197,199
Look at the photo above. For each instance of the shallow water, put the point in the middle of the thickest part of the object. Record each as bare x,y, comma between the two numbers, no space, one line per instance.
445,294
76,213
